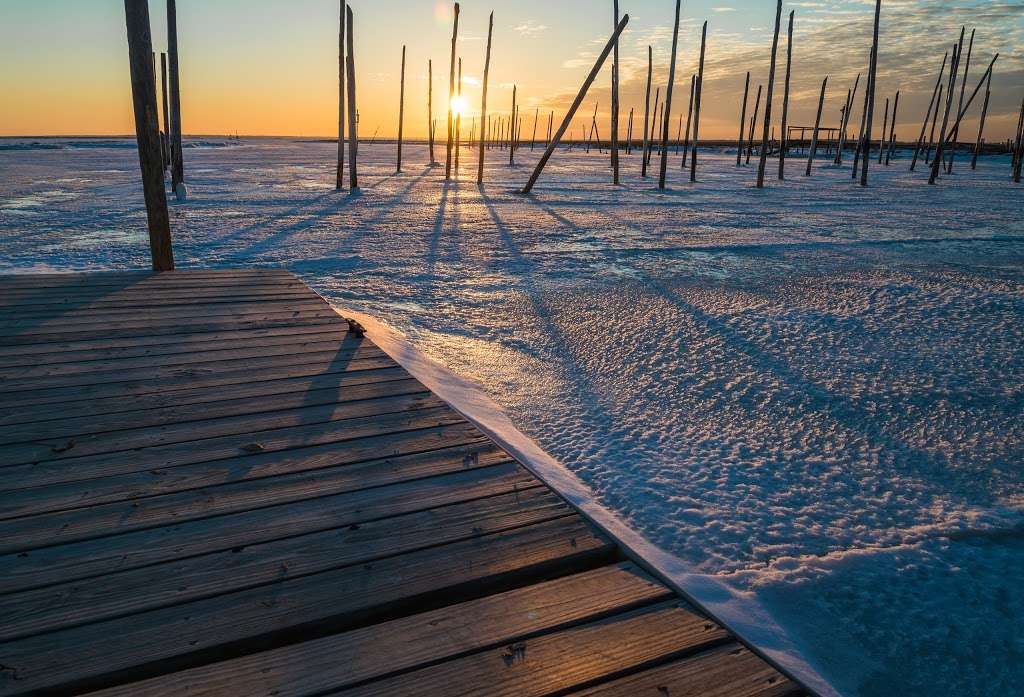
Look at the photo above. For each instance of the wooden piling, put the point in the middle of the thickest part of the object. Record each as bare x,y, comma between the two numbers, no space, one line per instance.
937,158
753,125
667,117
177,157
339,175
699,88
166,138
647,112
654,124
689,115
615,99
743,120
817,125
483,102
928,114
451,93
551,121
872,84
768,100
858,152
784,136
147,132
892,129
401,113
575,105
881,138
511,133
1019,148
931,135
458,120
353,119
536,115
981,126
851,96
960,104
430,110
629,133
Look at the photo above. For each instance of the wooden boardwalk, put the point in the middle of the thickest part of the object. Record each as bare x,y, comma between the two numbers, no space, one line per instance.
209,485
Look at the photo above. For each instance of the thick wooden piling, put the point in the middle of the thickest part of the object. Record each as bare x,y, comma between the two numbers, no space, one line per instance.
743,120
817,125
353,119
575,105
339,174
147,132
401,113
665,125
981,126
928,114
698,89
647,111
483,102
753,124
177,157
872,85
784,137
451,94
768,100
615,98
1019,147
165,140
689,116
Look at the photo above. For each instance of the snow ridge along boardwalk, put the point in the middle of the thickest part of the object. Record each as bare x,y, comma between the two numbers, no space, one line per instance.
209,485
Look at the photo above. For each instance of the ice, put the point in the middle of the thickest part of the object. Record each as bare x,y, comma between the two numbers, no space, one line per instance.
805,401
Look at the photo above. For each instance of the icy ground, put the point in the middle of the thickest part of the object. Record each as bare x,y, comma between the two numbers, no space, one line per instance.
813,392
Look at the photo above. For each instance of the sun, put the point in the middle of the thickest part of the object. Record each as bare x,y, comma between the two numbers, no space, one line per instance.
459,106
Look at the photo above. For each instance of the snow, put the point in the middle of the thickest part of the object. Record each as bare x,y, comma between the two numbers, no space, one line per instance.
805,402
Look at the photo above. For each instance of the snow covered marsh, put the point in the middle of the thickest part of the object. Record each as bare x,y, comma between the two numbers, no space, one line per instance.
812,392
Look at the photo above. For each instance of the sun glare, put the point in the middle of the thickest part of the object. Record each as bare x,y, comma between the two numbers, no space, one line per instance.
459,105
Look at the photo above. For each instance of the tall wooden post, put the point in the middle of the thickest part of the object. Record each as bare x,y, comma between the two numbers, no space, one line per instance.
935,120
872,83
689,118
353,119
1019,148
430,110
954,69
401,112
753,124
981,126
784,137
339,179
768,100
629,133
859,151
667,117
551,121
536,115
511,133
928,114
166,140
575,105
851,95
147,132
696,104
654,124
647,112
483,103
817,125
615,99
881,138
451,94
892,129
960,103
743,121
458,119
177,158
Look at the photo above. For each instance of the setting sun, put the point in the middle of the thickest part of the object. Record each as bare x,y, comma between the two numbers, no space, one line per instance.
459,106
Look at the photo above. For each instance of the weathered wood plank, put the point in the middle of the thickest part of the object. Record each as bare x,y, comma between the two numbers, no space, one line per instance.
207,520
563,660
337,661
727,671
223,627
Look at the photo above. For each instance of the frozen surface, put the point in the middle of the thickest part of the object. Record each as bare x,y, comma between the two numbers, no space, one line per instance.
812,393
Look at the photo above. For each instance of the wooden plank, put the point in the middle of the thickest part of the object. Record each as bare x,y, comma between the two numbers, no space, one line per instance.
192,379
334,662
356,540
133,408
156,459
198,522
95,279
116,446
160,641
562,660
113,372
727,671
30,304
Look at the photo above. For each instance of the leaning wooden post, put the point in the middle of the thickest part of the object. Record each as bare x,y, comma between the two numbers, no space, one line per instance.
784,138
575,105
689,115
339,174
954,69
981,126
654,124
768,100
533,140
629,133
483,103
551,121
401,112
147,132
430,110
166,140
873,83
458,119
753,124
817,125
931,134
177,158
615,100
960,103
743,121
881,138
451,94
696,105
667,118
647,112
353,120
1019,147
892,129
928,114
851,95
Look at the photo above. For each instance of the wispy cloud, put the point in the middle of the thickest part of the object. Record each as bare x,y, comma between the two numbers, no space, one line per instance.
724,9
530,29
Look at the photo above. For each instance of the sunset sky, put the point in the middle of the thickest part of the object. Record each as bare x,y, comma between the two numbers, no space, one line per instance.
269,67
